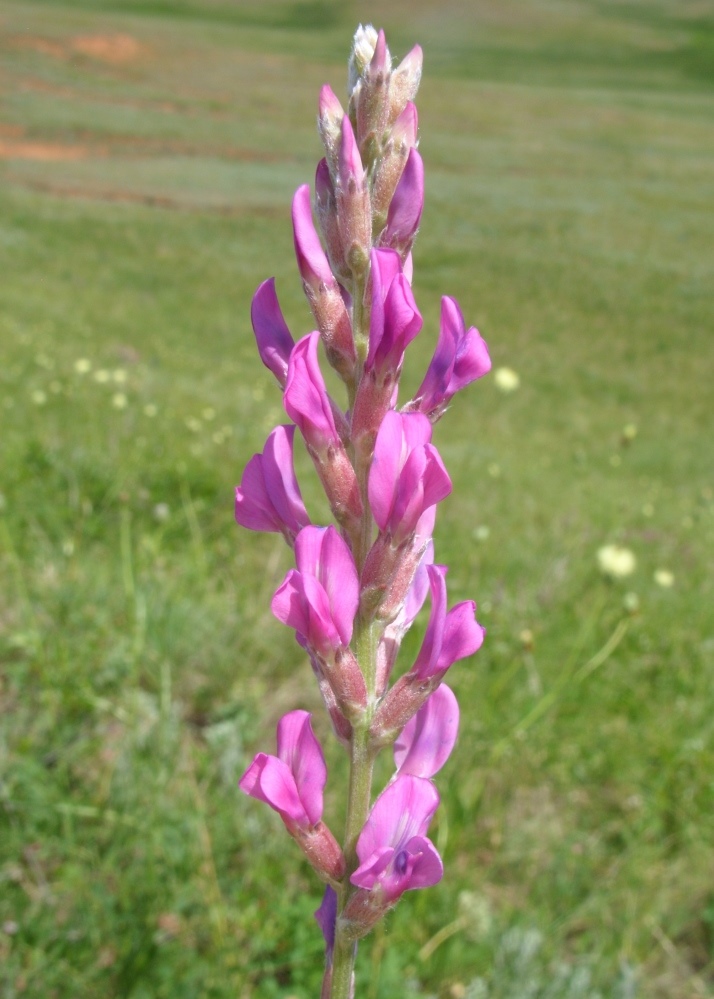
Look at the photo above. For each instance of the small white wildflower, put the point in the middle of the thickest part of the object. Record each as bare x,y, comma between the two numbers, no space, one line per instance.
615,561
193,424
150,409
629,431
82,365
506,379
119,400
39,397
119,376
102,376
664,578
208,414
162,512
482,533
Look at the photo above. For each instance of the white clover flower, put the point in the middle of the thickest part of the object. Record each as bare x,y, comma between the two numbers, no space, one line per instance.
82,365
208,413
119,400
150,409
119,376
102,376
506,379
664,578
615,561
39,397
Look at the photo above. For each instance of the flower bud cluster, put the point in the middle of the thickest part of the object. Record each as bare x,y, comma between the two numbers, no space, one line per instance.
358,585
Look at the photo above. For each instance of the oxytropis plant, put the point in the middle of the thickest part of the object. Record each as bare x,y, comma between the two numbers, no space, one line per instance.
358,586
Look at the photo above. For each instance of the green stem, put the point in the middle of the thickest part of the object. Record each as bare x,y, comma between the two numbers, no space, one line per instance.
365,643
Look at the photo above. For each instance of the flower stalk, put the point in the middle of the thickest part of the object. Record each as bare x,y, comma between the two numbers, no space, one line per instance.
358,585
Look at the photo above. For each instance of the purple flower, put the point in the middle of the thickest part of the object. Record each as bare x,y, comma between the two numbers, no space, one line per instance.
306,400
312,260
407,477
321,287
274,339
292,782
268,498
450,635
405,210
319,599
426,741
326,917
394,319
395,855
461,356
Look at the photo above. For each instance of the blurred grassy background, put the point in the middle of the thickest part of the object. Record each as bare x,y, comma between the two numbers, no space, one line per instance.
148,153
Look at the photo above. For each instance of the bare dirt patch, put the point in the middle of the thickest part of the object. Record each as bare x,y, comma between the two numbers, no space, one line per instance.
114,49
46,152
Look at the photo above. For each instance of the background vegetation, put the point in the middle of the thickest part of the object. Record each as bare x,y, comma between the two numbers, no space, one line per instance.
148,153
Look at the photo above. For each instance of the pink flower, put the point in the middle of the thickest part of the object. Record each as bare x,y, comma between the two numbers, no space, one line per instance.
450,636
321,287
292,782
405,210
274,339
306,400
320,599
268,498
394,322
312,260
461,356
326,917
395,855
395,319
426,741
407,478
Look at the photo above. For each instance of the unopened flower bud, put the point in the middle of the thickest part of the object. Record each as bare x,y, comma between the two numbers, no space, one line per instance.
354,215
363,46
391,165
329,125
372,107
404,82
326,205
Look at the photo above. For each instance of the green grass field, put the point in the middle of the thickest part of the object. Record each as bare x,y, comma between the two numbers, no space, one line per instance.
148,153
